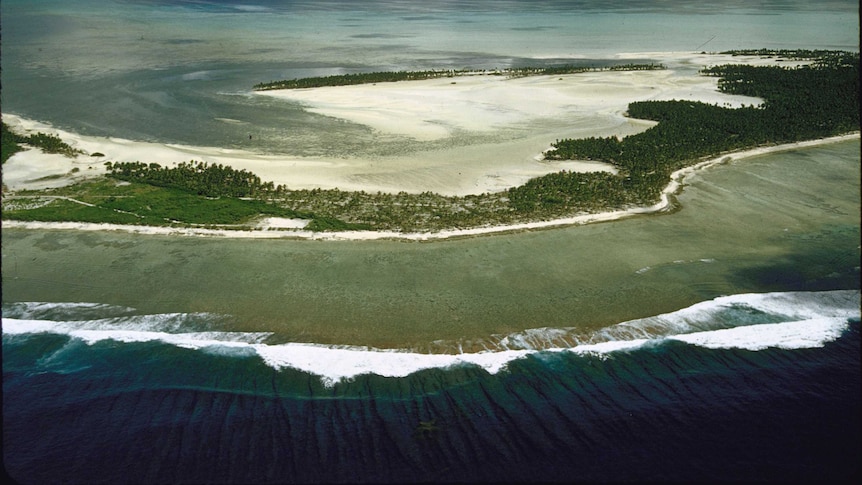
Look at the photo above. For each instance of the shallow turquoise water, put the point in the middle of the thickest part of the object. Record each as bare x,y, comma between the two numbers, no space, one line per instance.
780,222
172,71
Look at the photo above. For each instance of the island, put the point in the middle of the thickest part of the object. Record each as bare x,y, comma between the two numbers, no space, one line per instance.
814,99
396,76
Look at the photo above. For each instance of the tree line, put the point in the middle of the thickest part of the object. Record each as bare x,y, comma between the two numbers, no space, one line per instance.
818,56
201,178
800,103
10,143
394,76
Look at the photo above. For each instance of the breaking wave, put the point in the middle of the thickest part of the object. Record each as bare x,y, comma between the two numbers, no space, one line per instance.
791,320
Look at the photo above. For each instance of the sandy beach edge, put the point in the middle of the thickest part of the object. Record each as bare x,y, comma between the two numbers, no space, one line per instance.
266,232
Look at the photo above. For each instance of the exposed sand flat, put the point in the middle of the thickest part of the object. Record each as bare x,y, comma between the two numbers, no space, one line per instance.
456,171
436,108
540,109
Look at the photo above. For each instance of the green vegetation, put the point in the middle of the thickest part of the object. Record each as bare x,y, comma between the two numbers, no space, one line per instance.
328,209
813,101
11,142
106,201
196,177
402,211
58,209
819,56
351,79
381,77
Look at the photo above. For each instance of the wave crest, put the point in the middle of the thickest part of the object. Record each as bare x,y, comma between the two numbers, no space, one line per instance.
747,321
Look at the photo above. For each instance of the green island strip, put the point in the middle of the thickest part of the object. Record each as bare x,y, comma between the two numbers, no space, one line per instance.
812,101
822,56
395,76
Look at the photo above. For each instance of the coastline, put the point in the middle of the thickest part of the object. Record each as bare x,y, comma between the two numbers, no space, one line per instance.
482,134
274,230
434,109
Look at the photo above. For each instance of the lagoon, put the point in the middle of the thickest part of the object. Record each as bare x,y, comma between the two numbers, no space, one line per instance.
779,222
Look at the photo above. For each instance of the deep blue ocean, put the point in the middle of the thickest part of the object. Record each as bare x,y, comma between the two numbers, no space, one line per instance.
138,359
752,387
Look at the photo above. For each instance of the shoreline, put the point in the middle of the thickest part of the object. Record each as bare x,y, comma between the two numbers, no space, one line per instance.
273,231
482,134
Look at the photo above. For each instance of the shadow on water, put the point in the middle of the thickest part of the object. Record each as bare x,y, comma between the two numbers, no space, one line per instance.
822,270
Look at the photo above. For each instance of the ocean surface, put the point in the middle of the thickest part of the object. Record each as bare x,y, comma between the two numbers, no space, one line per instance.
763,387
182,71
717,341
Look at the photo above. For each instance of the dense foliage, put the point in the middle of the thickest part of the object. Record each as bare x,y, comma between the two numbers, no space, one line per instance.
8,143
105,200
201,178
818,56
380,77
211,181
11,142
351,79
806,102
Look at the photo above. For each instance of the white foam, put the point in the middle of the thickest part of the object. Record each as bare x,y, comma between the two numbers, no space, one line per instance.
335,364
31,306
14,326
99,330
810,320
331,363
781,306
802,334
608,347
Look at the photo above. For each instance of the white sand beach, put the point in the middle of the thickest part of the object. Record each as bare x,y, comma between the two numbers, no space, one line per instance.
435,108
589,104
